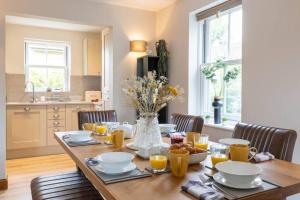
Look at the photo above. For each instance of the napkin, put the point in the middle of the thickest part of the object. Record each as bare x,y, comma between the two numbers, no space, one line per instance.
201,191
263,156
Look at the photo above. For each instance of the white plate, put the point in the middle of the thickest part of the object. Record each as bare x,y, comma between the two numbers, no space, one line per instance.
79,136
230,141
123,170
132,147
237,185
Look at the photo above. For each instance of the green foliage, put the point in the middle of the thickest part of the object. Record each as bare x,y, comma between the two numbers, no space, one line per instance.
212,71
207,117
162,53
231,75
224,119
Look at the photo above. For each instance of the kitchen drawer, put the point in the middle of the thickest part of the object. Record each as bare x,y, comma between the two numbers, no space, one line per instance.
50,135
55,123
56,108
80,107
56,115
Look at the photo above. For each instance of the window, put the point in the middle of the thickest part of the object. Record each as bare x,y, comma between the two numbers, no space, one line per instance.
220,38
47,65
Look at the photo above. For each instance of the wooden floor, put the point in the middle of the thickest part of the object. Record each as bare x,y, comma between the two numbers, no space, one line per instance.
22,171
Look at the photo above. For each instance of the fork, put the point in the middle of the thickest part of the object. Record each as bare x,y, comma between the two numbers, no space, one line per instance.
205,181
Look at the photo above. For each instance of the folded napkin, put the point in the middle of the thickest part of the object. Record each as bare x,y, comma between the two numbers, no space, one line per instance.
263,156
201,191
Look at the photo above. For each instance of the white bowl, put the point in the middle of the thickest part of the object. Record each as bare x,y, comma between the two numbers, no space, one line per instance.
238,172
115,160
196,158
230,141
79,136
167,128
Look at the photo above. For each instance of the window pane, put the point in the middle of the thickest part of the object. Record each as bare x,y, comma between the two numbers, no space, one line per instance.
233,95
217,39
56,56
56,79
39,78
235,50
36,54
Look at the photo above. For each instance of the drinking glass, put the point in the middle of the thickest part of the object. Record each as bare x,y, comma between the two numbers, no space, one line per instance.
176,139
191,137
89,126
201,142
118,138
219,153
101,129
179,161
108,139
158,162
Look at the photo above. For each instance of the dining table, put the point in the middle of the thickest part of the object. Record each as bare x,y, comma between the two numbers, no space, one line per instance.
166,186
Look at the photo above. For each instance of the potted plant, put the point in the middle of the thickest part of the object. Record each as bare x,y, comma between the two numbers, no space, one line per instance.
149,95
219,75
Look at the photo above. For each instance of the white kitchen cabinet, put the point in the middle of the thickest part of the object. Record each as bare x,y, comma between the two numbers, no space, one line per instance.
92,56
72,115
31,128
26,127
50,135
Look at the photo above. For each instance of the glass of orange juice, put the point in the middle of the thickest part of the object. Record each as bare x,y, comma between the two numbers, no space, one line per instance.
201,141
158,162
89,127
219,153
101,129
108,139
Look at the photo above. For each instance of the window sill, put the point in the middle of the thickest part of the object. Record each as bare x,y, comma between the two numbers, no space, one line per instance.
228,126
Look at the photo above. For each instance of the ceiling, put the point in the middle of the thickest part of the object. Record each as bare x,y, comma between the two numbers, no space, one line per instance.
51,24
151,5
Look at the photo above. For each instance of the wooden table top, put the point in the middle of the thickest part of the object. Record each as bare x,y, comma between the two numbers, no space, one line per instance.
166,186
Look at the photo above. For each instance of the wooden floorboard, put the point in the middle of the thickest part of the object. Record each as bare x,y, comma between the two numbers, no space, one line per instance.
21,171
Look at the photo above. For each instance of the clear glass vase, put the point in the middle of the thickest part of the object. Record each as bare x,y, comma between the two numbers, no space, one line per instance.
147,132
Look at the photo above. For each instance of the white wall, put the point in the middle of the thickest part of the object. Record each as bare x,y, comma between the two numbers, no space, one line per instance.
271,64
271,53
2,97
14,51
173,25
127,24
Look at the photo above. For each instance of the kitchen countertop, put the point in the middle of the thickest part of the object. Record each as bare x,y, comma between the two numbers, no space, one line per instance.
48,103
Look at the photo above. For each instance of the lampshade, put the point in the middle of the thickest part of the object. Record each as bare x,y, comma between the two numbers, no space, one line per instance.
138,45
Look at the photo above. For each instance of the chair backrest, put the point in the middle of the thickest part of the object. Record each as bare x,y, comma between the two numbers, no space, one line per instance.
96,116
278,141
187,123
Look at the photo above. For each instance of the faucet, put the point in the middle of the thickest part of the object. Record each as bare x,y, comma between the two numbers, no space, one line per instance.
33,92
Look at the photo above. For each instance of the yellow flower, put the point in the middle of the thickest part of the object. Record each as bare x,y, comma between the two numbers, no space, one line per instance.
173,90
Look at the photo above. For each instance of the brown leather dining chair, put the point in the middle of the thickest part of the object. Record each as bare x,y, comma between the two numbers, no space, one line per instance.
278,141
187,123
96,116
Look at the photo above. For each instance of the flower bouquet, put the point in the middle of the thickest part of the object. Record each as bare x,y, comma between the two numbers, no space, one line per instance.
149,95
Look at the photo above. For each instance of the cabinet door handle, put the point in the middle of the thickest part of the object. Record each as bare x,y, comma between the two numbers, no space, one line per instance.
78,107
56,130
55,123
27,109
55,108
56,116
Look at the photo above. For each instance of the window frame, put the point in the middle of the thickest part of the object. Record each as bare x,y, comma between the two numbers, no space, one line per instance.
66,67
202,57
